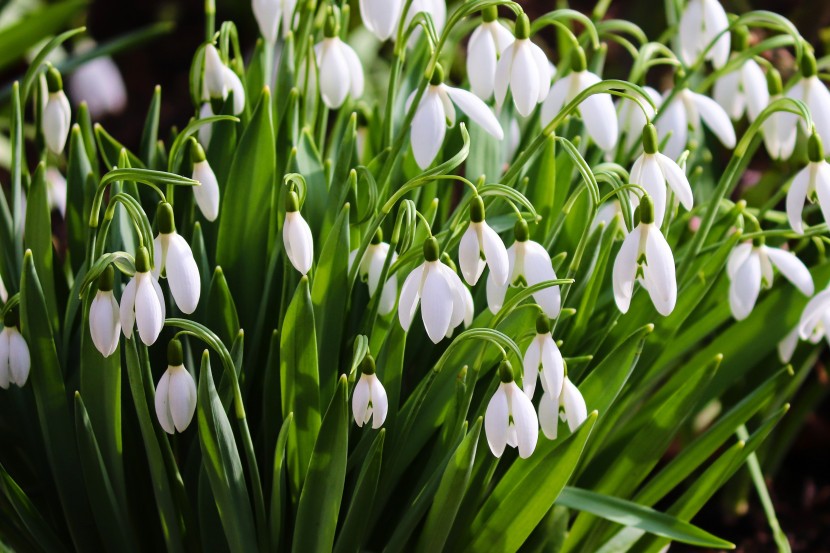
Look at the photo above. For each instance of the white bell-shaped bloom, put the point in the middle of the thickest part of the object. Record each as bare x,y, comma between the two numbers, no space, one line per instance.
811,183
524,69
814,323
743,90
99,83
142,303
567,406
436,111
786,347
381,16
780,132
175,393
528,264
543,353
369,399
645,256
469,308
631,117
486,45
205,131
296,236
480,245
269,14
438,290
207,194
436,9
219,80
510,418
174,260
57,114
15,361
340,71
701,22
653,170
104,315
56,190
370,268
813,92
610,213
597,110
686,110
749,269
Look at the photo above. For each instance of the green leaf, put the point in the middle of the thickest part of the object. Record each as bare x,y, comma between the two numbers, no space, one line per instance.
278,506
150,134
80,189
111,149
25,33
30,519
38,239
323,490
309,164
221,311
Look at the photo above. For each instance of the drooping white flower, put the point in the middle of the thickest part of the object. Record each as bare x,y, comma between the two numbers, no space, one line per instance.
205,131
369,399
174,260
269,14
653,170
744,89
296,235
813,92
57,115
480,245
631,118
814,323
436,9
524,69
528,264
104,317
56,190
15,361
207,194
686,110
510,418
381,16
175,393
811,183
370,268
438,290
219,80
142,302
786,347
543,353
645,256
99,83
701,22
749,269
597,110
340,71
780,129
486,45
436,111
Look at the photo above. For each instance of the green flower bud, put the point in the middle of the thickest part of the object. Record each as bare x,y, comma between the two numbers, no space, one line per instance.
542,324
437,75
477,209
431,249
175,357
142,260
520,231
522,30
106,282
490,14
646,208
166,220
815,148
506,372
650,141
367,366
54,81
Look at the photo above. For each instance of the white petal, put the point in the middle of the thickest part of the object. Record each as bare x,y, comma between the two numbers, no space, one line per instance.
651,178
360,400
793,269
677,180
495,294
267,14
823,189
673,121
148,313
716,119
495,253
19,360
437,304
553,366
625,269
56,119
476,110
503,70
469,255
556,99
502,36
715,21
183,274
796,196
744,288
549,415
813,313
380,403
531,361
5,370
524,78
538,268
459,296
381,16
334,73
104,323
482,58
689,33
182,397
410,296
737,258
373,263
545,71
755,89
206,195
598,114
127,309
524,420
495,421
163,403
235,85
214,79
574,405
786,347
659,272
205,131
356,80
818,100
428,129
727,94
299,245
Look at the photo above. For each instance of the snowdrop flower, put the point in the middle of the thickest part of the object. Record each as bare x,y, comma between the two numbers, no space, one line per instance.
14,354
369,398
573,409
4,294
370,269
487,44
142,302
528,265
175,393
57,114
523,68
480,246
633,116
296,235
610,213
780,128
815,319
205,131
786,347
381,16
174,260
340,71
219,80
56,190
686,110
543,352
206,195
597,110
436,9
269,13
749,269
811,183
744,89
99,83
813,92
439,291
436,110
653,170
645,256
104,318
701,22
510,418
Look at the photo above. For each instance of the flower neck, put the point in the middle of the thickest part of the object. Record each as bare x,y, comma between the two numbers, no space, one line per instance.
578,61
10,319
437,75
522,30
54,81
292,202
646,210
476,210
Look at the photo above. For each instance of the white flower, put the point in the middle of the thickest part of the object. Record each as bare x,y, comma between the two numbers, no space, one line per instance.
749,269
296,236
104,318
205,131
369,399
480,245
340,71
56,190
486,45
510,418
142,302
811,183
269,13
14,355
523,68
174,259
436,111
573,411
700,23
597,110
815,319
528,264
207,194
4,294
219,80
779,130
631,119
543,352
370,269
653,170
744,89
436,9
786,347
813,92
439,291
175,393
99,83
645,256
686,110
57,115
610,213
381,16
